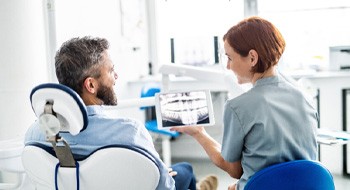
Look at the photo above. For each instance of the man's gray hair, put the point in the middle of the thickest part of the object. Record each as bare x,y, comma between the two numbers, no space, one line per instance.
78,59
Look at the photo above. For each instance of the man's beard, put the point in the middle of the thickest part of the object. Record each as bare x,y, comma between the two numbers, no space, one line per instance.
107,95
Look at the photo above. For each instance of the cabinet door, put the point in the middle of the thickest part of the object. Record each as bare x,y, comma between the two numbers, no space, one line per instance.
346,128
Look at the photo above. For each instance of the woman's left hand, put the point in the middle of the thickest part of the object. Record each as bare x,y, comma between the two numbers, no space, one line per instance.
190,130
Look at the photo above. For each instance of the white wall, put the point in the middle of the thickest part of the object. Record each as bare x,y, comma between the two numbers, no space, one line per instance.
25,47
309,28
121,22
22,62
330,87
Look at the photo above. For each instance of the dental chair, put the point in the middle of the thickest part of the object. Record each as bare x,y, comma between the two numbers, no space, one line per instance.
60,110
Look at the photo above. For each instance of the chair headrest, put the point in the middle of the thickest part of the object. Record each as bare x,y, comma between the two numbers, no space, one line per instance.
69,107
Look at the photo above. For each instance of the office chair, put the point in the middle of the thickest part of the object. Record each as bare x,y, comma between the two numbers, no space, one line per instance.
149,90
293,175
59,109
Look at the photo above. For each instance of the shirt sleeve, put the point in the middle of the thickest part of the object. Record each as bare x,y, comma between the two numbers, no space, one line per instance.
233,137
34,134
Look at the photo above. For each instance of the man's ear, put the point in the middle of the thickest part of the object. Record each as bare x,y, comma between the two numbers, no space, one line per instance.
90,85
253,57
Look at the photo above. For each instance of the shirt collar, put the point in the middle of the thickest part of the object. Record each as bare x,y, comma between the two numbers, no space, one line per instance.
95,110
268,80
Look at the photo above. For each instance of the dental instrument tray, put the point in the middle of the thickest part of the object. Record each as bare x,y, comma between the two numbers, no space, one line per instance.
184,108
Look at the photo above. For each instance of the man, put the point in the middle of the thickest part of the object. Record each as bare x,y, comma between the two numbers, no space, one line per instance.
84,65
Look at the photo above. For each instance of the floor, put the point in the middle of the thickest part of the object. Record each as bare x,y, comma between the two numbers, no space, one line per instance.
203,167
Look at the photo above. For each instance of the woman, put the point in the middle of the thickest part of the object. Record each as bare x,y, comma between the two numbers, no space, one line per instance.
272,122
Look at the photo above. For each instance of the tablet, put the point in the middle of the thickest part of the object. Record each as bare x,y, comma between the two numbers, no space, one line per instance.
184,108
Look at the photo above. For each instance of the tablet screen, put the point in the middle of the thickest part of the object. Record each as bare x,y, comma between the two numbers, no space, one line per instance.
185,108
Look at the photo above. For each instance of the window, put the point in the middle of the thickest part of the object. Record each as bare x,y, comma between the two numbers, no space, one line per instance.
310,28
196,20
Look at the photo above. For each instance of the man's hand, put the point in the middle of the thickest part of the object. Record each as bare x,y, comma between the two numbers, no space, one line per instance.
232,187
171,172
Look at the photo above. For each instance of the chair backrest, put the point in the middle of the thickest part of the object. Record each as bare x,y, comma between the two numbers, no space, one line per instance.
293,175
150,89
113,167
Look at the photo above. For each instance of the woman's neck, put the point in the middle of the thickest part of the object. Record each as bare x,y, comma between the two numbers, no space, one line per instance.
267,73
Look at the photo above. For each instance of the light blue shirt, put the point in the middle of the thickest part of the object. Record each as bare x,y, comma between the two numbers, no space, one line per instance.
271,123
104,130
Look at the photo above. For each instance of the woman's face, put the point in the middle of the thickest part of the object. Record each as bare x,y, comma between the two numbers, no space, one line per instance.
241,66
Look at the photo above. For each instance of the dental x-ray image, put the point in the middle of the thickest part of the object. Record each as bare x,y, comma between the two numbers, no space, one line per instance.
184,108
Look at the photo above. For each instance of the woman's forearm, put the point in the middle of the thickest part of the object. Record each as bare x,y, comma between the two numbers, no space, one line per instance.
213,149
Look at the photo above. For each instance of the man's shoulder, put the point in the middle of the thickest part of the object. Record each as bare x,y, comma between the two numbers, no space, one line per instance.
127,121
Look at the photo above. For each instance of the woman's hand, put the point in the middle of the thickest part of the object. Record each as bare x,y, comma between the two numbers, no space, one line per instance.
190,130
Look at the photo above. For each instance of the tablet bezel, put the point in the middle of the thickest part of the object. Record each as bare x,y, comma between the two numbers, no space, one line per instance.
208,101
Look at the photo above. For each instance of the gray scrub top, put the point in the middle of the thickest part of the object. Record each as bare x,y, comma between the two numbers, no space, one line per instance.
271,123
